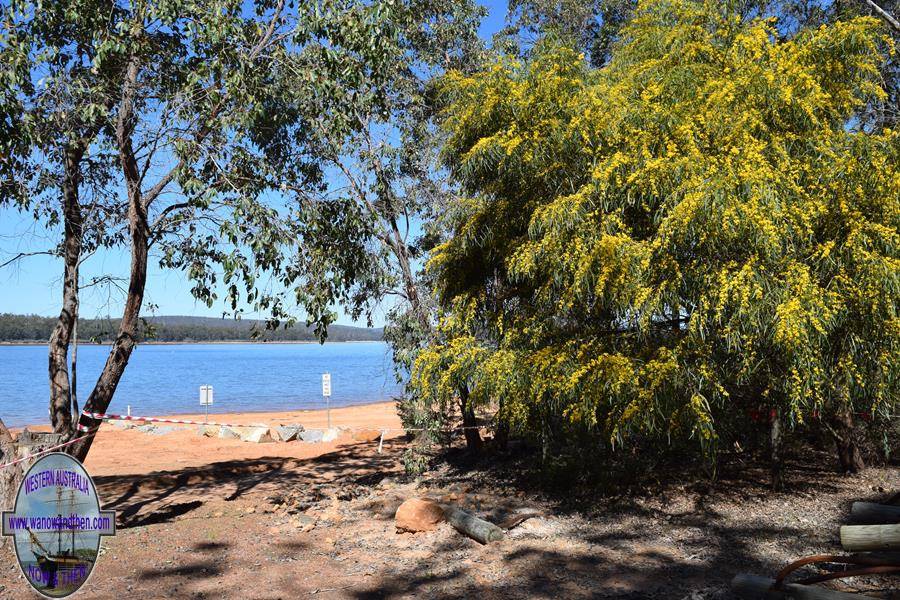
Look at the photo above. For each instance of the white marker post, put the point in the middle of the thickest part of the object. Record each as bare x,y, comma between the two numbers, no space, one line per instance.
326,391
206,398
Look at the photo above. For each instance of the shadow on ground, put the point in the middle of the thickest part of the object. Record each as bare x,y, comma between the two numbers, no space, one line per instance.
153,498
674,534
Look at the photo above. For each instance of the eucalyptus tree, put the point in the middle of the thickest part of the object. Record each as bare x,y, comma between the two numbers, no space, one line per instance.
359,91
591,25
54,103
281,152
125,121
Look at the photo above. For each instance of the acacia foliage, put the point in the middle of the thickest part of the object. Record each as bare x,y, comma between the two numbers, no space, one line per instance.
689,236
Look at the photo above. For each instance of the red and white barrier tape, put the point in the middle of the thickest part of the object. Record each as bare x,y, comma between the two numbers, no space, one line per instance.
46,451
111,417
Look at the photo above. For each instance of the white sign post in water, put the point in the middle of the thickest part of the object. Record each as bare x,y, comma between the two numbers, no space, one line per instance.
206,398
326,391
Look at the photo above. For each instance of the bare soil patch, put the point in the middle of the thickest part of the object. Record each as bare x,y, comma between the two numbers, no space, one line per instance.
209,518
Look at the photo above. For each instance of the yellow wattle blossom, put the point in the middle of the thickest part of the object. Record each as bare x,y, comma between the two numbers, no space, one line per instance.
664,246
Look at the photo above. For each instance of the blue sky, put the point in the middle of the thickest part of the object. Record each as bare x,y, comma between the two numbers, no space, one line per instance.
32,285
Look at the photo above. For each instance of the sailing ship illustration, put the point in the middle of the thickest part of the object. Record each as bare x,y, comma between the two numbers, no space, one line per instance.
65,560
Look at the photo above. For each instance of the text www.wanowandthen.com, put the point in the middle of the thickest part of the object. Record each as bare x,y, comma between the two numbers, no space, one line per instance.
72,522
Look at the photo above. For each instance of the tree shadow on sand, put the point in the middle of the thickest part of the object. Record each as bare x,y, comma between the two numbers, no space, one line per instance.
161,496
680,544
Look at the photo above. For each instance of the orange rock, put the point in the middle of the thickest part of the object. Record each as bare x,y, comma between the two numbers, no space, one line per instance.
366,435
418,514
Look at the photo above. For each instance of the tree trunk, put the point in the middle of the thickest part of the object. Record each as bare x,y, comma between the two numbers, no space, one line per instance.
546,438
473,436
60,400
139,229
501,428
10,476
501,435
848,452
409,282
776,443
73,391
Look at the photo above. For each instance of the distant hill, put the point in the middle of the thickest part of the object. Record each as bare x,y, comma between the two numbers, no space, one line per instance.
34,328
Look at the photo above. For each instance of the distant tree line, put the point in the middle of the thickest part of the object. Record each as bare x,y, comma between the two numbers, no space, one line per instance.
35,328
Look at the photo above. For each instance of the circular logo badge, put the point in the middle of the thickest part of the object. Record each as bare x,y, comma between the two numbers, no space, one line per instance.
57,524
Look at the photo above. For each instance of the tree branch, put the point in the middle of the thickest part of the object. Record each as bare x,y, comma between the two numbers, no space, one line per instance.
21,255
884,15
205,129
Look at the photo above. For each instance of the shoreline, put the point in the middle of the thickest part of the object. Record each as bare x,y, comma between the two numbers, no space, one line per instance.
234,416
173,447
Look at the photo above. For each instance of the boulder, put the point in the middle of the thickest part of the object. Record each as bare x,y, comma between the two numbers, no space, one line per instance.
287,433
161,430
329,435
257,435
227,433
208,430
418,514
311,435
366,435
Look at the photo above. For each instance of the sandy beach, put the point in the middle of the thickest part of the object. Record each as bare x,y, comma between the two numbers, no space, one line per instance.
118,451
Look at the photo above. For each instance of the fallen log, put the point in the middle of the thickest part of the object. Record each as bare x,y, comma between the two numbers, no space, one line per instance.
861,538
871,512
477,529
752,587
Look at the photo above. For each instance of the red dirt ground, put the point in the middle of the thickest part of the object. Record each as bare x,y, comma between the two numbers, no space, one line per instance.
208,518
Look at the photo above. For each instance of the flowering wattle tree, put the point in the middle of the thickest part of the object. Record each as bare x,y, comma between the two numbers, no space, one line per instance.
692,235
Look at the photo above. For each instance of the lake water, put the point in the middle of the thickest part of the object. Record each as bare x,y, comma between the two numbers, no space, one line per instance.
165,378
